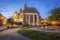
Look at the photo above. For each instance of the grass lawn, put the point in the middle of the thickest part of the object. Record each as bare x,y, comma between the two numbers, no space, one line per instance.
38,35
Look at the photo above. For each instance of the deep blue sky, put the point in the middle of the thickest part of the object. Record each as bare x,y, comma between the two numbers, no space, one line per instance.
8,7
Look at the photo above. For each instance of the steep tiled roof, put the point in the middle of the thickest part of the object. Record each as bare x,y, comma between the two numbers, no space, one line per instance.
30,10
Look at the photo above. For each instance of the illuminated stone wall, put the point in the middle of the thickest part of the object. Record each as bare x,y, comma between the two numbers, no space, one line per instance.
31,19
4,19
28,16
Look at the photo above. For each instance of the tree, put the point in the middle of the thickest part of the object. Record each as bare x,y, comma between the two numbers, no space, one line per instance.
54,15
10,21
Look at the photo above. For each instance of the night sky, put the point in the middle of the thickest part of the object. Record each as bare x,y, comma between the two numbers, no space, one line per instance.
8,7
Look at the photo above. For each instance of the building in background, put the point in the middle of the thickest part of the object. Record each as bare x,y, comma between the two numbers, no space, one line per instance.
3,20
28,16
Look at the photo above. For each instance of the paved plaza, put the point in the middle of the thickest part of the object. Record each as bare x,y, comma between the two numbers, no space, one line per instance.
11,34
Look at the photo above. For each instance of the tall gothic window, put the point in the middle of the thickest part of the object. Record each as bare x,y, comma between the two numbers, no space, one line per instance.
27,18
35,18
31,18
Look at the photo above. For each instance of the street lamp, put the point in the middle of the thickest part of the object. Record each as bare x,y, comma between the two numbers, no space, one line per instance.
53,23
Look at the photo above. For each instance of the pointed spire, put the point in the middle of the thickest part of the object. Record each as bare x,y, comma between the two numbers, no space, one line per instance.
15,11
25,6
21,10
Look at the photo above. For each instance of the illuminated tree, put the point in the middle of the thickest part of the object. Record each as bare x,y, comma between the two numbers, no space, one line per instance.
10,21
54,15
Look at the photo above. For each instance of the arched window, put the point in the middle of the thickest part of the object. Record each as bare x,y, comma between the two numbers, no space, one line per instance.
31,18
35,18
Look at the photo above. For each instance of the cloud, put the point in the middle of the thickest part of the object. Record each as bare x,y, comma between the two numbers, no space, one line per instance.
3,11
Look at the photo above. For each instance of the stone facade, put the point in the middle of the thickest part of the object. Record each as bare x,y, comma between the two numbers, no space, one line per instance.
28,16
3,19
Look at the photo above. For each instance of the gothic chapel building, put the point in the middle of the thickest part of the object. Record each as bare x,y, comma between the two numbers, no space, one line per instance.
28,16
